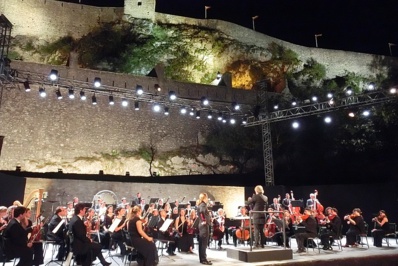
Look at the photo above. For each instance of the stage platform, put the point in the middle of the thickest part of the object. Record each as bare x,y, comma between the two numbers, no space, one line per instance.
268,253
384,256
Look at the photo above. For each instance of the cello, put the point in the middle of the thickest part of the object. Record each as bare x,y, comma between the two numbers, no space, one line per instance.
270,227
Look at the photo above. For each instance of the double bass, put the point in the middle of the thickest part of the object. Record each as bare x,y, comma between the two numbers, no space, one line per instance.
318,209
269,228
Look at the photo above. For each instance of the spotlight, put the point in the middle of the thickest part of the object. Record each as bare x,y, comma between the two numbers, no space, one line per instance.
157,87
71,94
197,114
82,96
136,105
97,82
172,95
224,119
232,121
125,103
351,114
53,75
183,110
328,119
219,75
331,102
295,125
26,86
329,95
219,117
349,91
276,107
111,101
166,110
139,90
59,95
294,102
42,92
393,90
244,121
235,106
191,112
366,113
156,107
210,115
204,101
371,86
94,100
314,98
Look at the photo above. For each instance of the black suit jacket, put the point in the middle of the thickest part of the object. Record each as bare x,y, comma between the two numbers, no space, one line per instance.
79,236
260,201
17,238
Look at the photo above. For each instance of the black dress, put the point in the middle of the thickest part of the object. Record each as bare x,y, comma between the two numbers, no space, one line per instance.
144,247
185,242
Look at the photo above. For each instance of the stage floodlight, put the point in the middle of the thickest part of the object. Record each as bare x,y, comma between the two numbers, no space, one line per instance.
244,121
97,82
136,105
94,100
157,88
393,90
294,102
371,86
82,96
276,107
156,107
349,91
295,125
330,95
191,112
232,121
219,75
210,115
71,94
219,117
224,119
235,106
314,98
366,113
53,75
26,86
331,102
327,119
204,101
59,95
197,114
42,92
125,103
183,110
166,110
111,101
172,95
139,90
351,114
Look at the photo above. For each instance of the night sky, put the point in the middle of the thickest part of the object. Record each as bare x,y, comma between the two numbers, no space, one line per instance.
360,26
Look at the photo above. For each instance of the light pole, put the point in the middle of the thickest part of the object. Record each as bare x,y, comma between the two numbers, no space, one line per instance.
253,19
206,8
389,47
316,39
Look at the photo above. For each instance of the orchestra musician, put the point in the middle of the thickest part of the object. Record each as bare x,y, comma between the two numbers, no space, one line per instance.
357,226
276,206
70,210
75,201
333,227
381,228
17,245
152,223
136,200
140,240
287,220
204,227
3,221
80,243
241,233
286,201
166,235
270,228
60,234
35,237
185,241
117,235
188,209
316,206
219,227
309,222
260,201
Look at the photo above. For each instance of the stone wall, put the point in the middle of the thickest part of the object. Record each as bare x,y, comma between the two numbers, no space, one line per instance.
140,8
63,191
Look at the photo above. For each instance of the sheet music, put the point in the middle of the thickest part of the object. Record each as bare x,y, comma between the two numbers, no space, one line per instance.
55,230
114,225
166,225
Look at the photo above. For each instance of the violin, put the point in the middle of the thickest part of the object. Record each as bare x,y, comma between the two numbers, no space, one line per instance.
269,228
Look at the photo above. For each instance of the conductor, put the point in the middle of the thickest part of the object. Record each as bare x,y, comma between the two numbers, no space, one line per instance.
259,202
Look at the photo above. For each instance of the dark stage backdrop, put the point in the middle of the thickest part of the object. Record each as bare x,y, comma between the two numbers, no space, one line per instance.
12,188
370,198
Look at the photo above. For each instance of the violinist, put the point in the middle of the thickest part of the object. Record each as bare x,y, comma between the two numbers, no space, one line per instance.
309,222
166,235
60,234
152,224
219,227
117,235
381,228
185,241
333,227
287,220
357,227
260,201
17,244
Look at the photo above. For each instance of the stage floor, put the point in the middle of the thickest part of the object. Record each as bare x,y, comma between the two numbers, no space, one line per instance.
349,256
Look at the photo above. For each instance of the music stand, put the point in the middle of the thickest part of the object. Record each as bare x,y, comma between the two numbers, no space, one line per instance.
297,203
182,206
193,203
163,229
153,200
